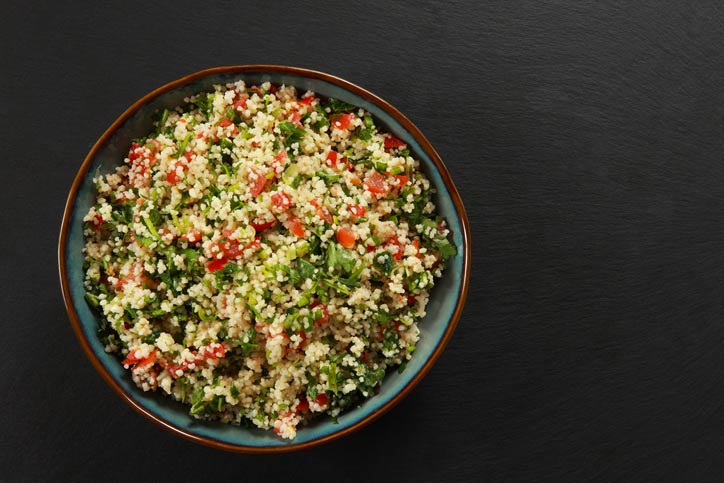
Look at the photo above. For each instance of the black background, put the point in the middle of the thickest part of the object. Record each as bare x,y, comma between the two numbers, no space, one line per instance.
585,138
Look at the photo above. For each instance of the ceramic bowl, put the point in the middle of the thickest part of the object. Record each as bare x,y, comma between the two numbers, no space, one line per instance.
446,300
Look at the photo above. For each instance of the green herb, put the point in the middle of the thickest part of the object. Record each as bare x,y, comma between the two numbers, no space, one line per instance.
217,402
226,143
335,105
205,103
369,123
92,300
328,178
161,121
184,144
197,401
331,371
420,281
398,170
131,313
151,338
340,258
311,386
151,228
384,262
123,212
226,274
306,269
446,248
322,119
292,133
246,343
337,285
293,275
364,134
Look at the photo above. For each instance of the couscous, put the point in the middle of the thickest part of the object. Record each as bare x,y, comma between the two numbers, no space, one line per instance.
263,256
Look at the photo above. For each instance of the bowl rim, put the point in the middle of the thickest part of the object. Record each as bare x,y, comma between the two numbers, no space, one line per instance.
273,69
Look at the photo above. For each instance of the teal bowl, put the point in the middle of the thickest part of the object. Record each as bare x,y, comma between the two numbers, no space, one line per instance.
443,311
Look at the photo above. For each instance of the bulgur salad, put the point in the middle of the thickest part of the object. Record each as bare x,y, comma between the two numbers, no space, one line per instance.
263,256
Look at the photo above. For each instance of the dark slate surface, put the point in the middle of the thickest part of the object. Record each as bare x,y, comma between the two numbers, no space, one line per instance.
586,140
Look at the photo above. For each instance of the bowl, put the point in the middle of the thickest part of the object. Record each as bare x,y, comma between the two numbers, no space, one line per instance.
443,311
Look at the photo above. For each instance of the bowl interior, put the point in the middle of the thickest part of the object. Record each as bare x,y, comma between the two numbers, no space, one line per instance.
443,300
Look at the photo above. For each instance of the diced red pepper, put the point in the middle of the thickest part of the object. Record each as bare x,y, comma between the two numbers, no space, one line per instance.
216,265
192,236
97,222
212,352
307,100
241,104
342,121
295,118
279,161
391,142
263,226
346,237
257,182
172,177
174,368
324,319
357,210
138,174
303,336
225,122
295,227
153,146
135,152
396,247
281,202
135,274
255,244
322,211
402,179
377,184
303,405
133,360
332,158
231,248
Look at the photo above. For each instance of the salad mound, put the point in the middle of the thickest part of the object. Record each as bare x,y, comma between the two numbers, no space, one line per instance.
263,256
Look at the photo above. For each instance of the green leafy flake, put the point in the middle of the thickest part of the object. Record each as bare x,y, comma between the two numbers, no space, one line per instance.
446,249
328,178
384,262
92,300
322,119
335,105
291,132
184,144
306,269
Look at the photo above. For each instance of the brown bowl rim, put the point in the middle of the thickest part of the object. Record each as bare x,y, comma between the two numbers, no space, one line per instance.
277,69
